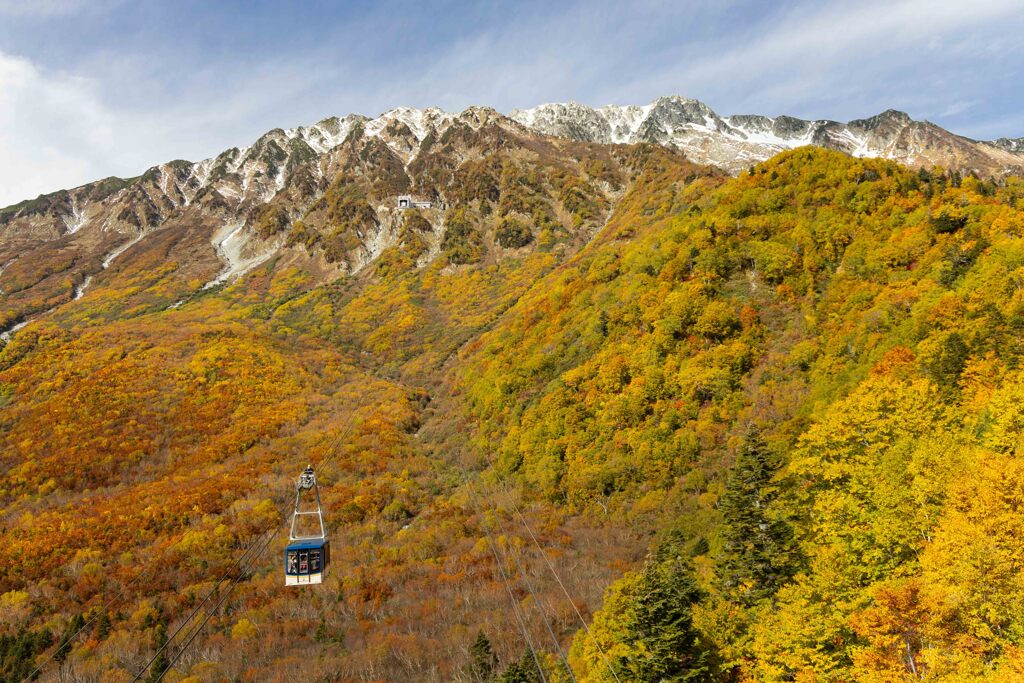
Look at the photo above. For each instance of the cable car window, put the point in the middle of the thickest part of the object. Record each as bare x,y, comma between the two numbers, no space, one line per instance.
293,562
303,562
314,561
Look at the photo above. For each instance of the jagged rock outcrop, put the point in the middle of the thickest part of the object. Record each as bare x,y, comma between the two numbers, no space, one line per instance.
734,142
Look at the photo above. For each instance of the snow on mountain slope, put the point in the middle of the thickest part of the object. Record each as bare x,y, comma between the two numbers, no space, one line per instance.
1010,144
205,216
733,142
252,175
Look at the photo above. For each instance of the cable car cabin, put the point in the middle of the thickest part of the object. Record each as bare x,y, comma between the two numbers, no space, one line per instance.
306,562
308,554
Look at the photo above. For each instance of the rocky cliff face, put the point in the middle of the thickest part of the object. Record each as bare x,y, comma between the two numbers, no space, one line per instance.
734,142
322,198
1010,144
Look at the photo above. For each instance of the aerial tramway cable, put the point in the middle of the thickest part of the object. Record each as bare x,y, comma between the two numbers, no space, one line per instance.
554,572
181,626
153,566
209,614
508,587
65,642
536,600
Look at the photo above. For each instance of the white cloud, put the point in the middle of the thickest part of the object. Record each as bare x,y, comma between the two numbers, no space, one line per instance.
53,130
53,8
817,52
59,131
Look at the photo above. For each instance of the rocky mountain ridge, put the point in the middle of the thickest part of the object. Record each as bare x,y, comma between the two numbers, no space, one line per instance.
735,142
322,198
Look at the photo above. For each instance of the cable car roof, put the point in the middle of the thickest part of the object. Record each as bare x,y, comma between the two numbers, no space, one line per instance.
307,544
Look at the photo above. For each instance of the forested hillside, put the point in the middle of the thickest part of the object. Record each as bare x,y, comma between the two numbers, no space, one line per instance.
753,428
807,380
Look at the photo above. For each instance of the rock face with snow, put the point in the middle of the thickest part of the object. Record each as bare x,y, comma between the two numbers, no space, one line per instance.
1010,144
282,197
734,142
215,219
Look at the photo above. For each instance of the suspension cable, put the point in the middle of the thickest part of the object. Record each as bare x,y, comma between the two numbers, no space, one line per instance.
209,614
554,572
224,576
332,451
604,655
501,569
536,600
120,593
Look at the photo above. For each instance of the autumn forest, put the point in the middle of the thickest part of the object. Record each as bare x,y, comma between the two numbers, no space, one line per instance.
598,413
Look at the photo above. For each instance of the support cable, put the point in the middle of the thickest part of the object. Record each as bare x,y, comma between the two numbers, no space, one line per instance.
554,572
216,607
224,577
504,577
550,565
117,596
536,600
332,452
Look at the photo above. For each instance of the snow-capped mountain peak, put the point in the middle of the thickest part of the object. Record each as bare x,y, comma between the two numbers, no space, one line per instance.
734,142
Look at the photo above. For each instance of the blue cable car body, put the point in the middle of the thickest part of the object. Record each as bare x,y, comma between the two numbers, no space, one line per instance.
306,562
308,556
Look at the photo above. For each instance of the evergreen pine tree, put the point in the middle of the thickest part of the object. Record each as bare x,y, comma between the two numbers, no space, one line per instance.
156,671
947,364
758,547
103,626
76,623
481,659
18,653
662,621
522,671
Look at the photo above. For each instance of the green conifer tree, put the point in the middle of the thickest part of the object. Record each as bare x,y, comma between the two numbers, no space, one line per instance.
662,620
758,547
522,671
103,626
72,628
156,671
482,659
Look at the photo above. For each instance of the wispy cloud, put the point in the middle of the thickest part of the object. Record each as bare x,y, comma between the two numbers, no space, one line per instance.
54,8
54,130
809,54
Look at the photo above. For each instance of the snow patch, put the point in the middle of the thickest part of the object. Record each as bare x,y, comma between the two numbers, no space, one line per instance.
9,332
694,128
75,221
230,242
420,121
121,249
321,138
81,287
4,267
202,170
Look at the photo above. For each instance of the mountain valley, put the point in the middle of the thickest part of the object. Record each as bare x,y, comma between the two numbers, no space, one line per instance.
628,393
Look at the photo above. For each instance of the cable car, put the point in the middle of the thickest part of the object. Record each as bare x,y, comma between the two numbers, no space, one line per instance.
308,555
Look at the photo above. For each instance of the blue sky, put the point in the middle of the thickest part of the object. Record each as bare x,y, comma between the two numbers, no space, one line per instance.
90,88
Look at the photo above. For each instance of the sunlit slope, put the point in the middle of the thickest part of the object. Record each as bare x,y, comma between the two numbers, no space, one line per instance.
801,383
153,426
807,379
